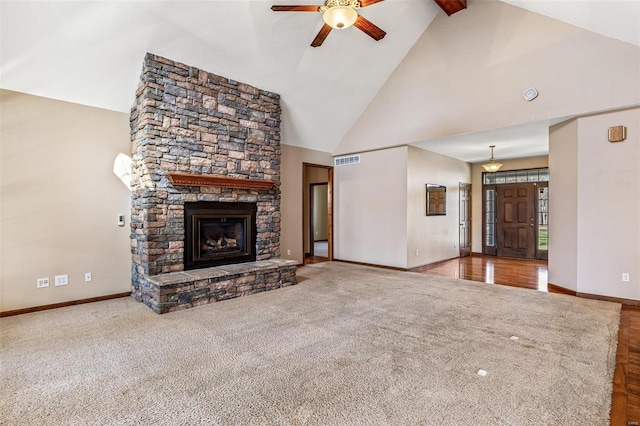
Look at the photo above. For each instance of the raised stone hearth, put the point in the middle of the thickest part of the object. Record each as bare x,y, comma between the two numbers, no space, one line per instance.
180,290
200,137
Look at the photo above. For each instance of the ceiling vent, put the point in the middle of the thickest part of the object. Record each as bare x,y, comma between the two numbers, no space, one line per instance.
346,161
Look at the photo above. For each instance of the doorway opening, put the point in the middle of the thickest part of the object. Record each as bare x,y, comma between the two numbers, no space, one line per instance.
515,214
317,213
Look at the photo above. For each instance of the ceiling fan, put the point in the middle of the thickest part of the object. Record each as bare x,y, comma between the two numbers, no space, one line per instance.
341,14
338,14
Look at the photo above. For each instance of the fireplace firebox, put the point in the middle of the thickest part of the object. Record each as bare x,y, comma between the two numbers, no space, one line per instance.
219,234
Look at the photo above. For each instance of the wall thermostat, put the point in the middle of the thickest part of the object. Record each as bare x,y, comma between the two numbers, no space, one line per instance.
530,94
617,133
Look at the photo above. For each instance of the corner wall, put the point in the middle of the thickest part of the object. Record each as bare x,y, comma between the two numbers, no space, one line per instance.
601,184
370,220
60,201
380,208
563,205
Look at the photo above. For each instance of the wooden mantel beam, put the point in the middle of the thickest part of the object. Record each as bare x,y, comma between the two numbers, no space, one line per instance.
185,179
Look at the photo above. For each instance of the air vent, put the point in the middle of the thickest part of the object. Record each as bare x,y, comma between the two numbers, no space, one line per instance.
346,161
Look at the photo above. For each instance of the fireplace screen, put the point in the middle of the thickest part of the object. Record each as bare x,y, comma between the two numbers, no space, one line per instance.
219,234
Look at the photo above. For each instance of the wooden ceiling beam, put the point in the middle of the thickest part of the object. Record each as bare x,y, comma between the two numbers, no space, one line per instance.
451,6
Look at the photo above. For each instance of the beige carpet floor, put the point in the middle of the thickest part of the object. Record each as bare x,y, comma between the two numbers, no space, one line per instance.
349,345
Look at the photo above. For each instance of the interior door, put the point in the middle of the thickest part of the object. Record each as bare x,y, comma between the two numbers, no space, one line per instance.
465,219
516,221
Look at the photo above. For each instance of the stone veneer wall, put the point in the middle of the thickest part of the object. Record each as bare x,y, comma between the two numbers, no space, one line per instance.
187,120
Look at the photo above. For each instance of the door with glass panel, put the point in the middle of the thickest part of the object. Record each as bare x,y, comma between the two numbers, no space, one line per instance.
515,214
465,219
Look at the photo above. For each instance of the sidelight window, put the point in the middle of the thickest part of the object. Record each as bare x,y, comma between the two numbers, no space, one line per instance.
543,218
490,217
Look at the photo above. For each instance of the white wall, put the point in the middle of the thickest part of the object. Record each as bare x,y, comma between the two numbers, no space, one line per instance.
609,206
380,208
371,209
434,237
595,214
467,73
563,205
60,201
476,191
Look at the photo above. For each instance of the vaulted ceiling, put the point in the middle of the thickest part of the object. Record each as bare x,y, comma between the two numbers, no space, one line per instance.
90,52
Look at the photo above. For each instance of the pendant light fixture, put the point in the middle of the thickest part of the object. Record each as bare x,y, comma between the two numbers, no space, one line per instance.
492,166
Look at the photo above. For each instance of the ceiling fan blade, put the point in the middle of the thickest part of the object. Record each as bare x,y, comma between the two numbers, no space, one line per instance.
324,32
309,8
365,3
369,28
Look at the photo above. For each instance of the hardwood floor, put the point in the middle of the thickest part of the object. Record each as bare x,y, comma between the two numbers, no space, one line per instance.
513,272
308,260
532,274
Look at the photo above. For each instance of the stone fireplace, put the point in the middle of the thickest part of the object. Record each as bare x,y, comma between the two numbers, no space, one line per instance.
205,219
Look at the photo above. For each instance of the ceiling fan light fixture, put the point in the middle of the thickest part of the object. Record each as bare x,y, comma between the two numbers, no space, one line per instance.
340,14
492,166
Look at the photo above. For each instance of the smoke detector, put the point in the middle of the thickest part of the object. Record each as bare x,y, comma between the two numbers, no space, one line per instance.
530,94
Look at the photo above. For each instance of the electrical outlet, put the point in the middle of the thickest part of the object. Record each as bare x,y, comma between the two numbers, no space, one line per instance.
42,282
288,252
87,277
417,252
455,245
61,280
625,277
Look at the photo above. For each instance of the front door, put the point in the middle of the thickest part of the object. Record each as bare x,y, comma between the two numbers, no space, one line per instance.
465,219
516,221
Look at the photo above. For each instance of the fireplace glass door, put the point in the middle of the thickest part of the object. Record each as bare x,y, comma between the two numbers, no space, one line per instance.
219,234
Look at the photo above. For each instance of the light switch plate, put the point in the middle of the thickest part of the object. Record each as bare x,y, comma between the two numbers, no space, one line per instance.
61,280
